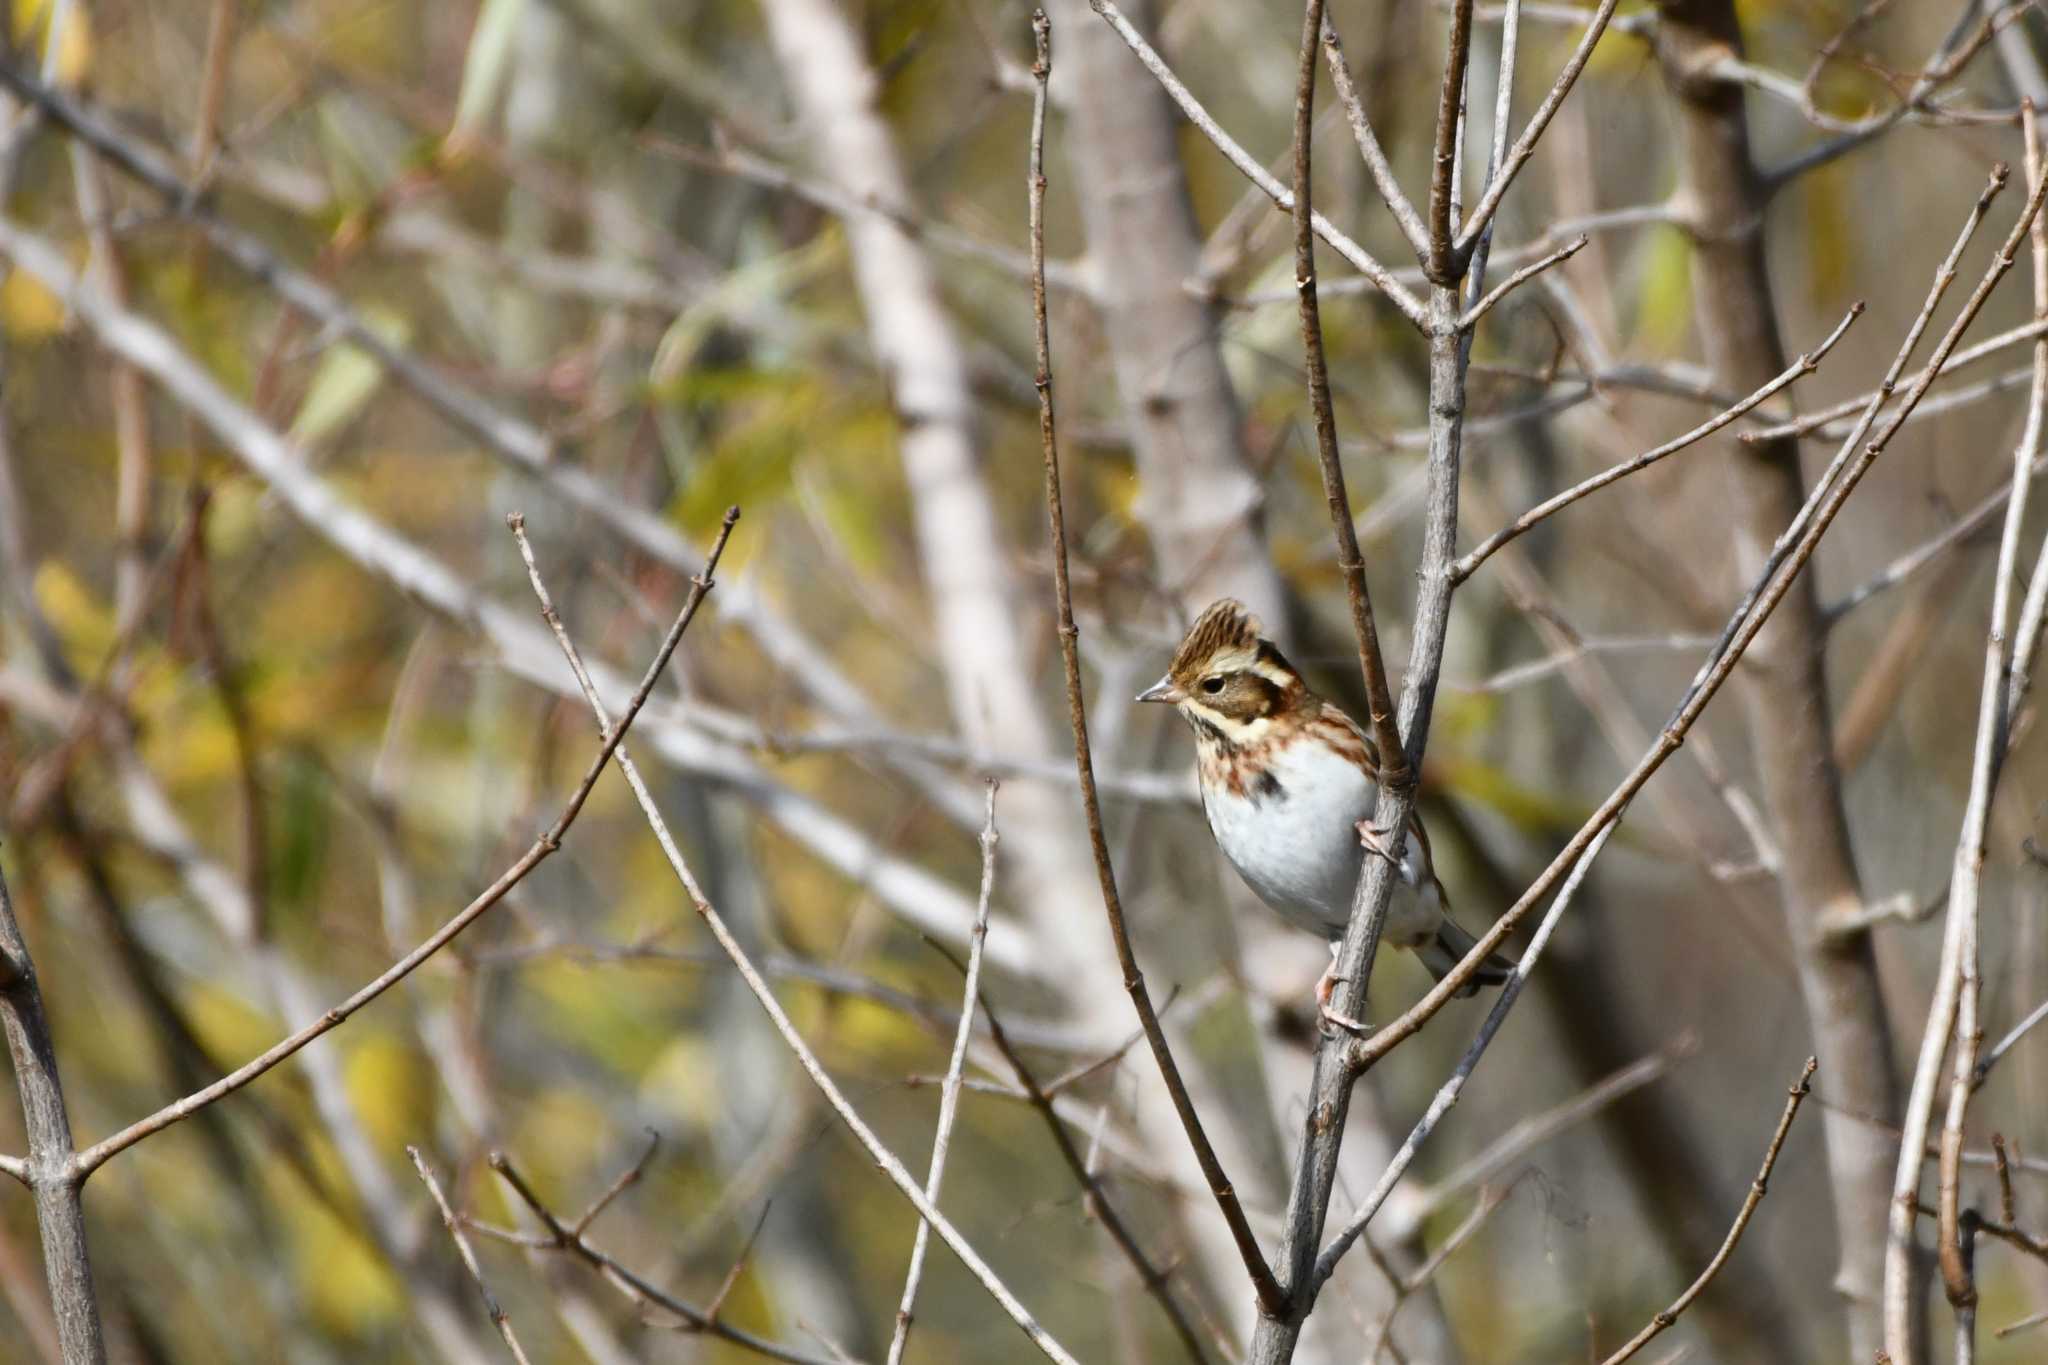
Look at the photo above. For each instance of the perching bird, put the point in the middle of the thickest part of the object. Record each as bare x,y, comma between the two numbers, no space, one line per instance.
1288,784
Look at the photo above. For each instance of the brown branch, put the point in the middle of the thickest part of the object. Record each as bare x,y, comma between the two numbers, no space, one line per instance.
1394,767
542,848
1517,279
890,1165
1525,145
1438,264
1666,1317
1268,1289
643,1292
1157,1282
468,1254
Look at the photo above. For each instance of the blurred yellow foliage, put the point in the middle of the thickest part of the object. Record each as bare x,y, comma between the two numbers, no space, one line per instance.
82,619
74,44
392,1087
29,311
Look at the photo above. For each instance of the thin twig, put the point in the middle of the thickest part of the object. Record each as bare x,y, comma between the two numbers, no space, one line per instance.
542,848
468,1254
949,1092
1361,260
1819,511
1369,145
891,1166
1157,1282
1268,1289
1394,769
560,1237
1518,278
630,1176
1525,145
1444,170
1665,1318
1805,365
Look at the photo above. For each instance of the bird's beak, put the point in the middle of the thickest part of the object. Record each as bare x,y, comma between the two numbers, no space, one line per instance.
1163,690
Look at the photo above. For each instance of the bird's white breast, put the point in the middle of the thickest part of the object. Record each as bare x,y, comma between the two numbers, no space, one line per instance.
1292,835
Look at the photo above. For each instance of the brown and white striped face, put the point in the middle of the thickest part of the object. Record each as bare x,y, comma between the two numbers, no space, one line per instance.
1228,681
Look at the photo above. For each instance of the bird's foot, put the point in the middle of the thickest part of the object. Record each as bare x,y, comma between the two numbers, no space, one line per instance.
1377,838
1330,1018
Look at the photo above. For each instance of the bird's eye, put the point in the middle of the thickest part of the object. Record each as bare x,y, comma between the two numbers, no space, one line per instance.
1212,685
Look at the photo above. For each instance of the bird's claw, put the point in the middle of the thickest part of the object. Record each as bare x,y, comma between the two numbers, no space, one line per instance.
1330,1018
1379,839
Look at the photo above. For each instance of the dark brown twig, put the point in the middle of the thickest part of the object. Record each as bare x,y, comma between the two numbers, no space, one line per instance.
1394,768
1439,264
1757,1188
559,1236
1157,1282
1268,1289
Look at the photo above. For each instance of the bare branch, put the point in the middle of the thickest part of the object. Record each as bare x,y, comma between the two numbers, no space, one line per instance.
1361,260
1369,146
1518,278
1379,698
560,1237
949,1092
542,848
1069,636
1444,170
468,1254
1805,365
51,1171
1666,1317
1525,145
890,1164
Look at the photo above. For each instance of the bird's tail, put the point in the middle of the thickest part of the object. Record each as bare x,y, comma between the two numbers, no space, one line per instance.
1451,943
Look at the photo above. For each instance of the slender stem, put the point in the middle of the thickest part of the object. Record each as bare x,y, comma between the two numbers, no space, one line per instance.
1525,145
891,1165
1394,769
949,1090
1549,507
464,1249
1271,1299
1663,1319
1444,169
1361,260
1369,146
542,848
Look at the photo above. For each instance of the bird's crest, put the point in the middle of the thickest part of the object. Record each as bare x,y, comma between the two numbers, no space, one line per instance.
1225,634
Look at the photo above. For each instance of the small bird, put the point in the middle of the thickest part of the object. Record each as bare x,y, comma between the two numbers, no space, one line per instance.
1288,783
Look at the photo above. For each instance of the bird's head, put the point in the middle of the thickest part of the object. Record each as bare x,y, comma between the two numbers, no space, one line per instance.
1227,679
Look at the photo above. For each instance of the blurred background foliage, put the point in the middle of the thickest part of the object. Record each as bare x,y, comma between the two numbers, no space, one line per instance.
580,209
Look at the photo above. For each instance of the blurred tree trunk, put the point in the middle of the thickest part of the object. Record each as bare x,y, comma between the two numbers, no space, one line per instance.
976,602
1197,496
1784,676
